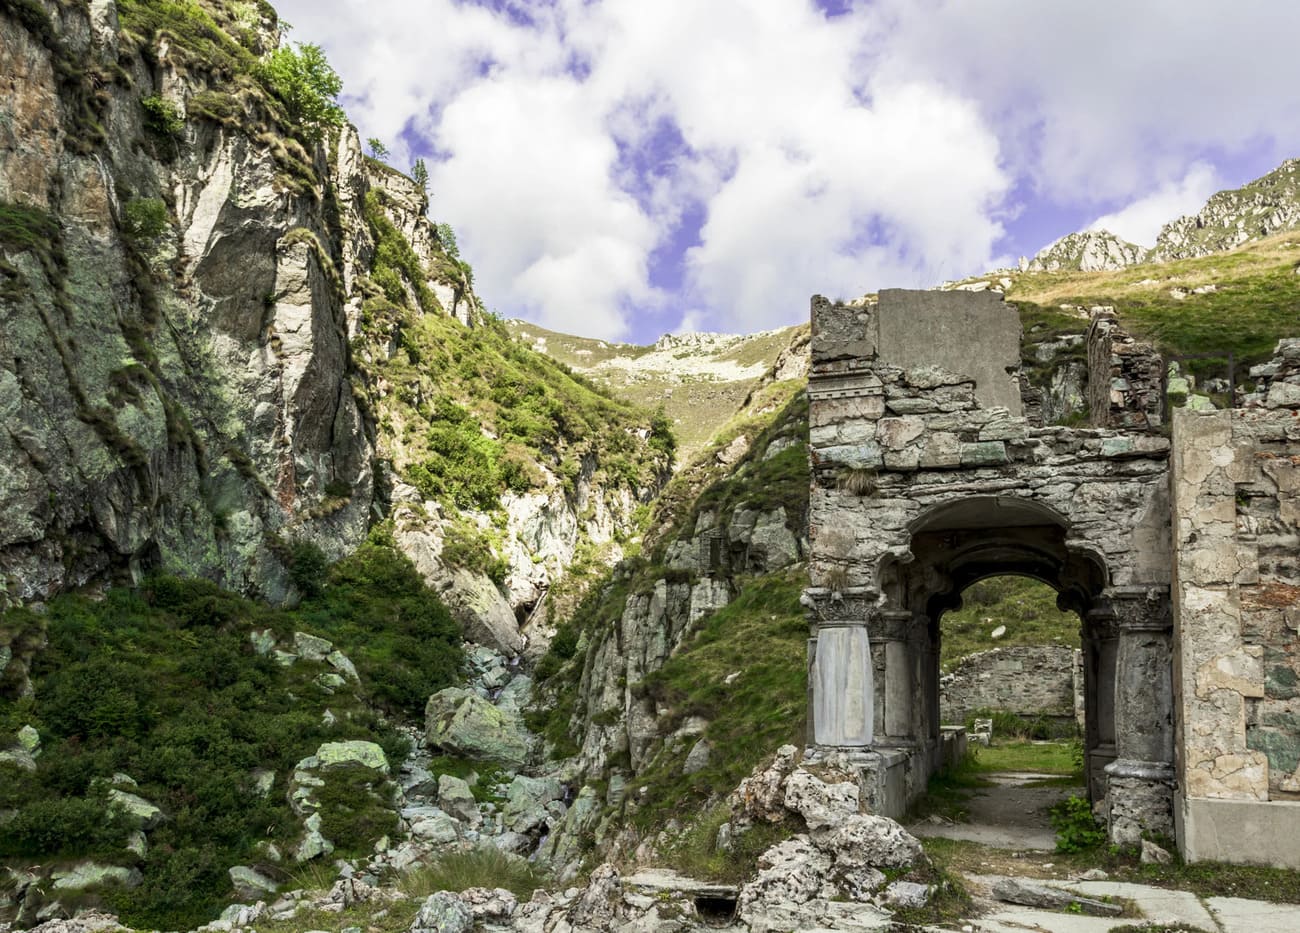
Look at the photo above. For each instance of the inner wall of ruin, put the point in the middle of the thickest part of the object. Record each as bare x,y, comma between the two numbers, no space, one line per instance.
1026,680
930,473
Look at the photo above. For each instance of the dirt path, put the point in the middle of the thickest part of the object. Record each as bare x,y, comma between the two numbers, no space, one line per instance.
1010,815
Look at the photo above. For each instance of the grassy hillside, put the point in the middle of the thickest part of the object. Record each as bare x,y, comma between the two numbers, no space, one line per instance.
1026,607
1250,298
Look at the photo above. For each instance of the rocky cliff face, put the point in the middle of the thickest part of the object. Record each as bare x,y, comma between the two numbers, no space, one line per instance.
1268,205
200,309
176,362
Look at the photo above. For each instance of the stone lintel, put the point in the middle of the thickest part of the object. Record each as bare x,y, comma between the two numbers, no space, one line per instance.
822,386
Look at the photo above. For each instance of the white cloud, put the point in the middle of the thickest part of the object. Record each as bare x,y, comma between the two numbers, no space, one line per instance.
810,176
1096,102
832,155
1140,221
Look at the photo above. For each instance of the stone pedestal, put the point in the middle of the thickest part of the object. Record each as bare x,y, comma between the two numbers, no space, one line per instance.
1140,782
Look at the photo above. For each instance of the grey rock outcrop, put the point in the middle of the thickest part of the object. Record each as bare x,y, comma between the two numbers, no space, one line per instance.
1088,251
461,722
1268,205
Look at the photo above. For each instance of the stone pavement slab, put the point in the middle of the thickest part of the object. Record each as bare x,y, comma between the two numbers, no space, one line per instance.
1239,915
1158,905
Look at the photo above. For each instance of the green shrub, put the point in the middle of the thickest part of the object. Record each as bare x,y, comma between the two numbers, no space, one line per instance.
161,116
1077,830
309,88
69,825
353,813
307,563
145,218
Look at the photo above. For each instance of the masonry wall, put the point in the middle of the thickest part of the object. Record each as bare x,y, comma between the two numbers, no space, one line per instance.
1030,681
1236,497
1237,622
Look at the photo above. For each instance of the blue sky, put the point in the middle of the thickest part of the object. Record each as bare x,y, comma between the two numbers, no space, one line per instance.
626,168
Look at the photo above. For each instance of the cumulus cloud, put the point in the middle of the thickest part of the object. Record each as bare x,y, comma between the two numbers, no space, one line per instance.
621,167
572,140
1140,221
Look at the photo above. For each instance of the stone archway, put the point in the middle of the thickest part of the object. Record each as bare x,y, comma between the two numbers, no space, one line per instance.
963,487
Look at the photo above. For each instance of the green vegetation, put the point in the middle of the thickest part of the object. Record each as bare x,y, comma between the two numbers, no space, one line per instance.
481,412
1026,607
948,790
161,116
1043,757
1077,830
695,852
761,637
309,88
144,218
28,229
377,148
165,684
483,866
420,175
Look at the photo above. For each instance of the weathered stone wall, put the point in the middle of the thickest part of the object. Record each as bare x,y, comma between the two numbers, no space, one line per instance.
1030,681
1237,551
1126,378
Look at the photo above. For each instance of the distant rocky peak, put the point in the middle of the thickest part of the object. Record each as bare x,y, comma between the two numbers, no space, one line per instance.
1268,205
1088,251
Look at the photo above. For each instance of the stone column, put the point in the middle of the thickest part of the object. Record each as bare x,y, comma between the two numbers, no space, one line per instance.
1100,647
890,627
1140,781
842,676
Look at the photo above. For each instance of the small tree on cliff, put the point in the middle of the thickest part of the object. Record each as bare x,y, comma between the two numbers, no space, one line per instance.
307,85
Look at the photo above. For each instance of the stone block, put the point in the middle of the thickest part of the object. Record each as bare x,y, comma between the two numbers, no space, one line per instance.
897,433
984,453
972,333
1240,671
857,456
941,449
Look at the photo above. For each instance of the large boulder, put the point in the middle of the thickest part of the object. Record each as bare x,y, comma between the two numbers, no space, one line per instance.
792,872
356,752
761,796
526,800
462,723
457,800
864,839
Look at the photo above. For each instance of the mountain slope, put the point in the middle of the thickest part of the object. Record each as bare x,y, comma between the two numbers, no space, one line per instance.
1268,205
699,380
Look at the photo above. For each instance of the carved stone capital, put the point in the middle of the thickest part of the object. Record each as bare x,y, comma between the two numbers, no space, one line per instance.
852,606
890,625
1140,608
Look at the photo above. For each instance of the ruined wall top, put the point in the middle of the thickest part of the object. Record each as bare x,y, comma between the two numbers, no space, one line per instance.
971,333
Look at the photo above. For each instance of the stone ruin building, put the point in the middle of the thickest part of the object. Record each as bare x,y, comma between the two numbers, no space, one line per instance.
1175,539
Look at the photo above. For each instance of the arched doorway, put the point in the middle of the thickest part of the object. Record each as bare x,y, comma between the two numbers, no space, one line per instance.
956,545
